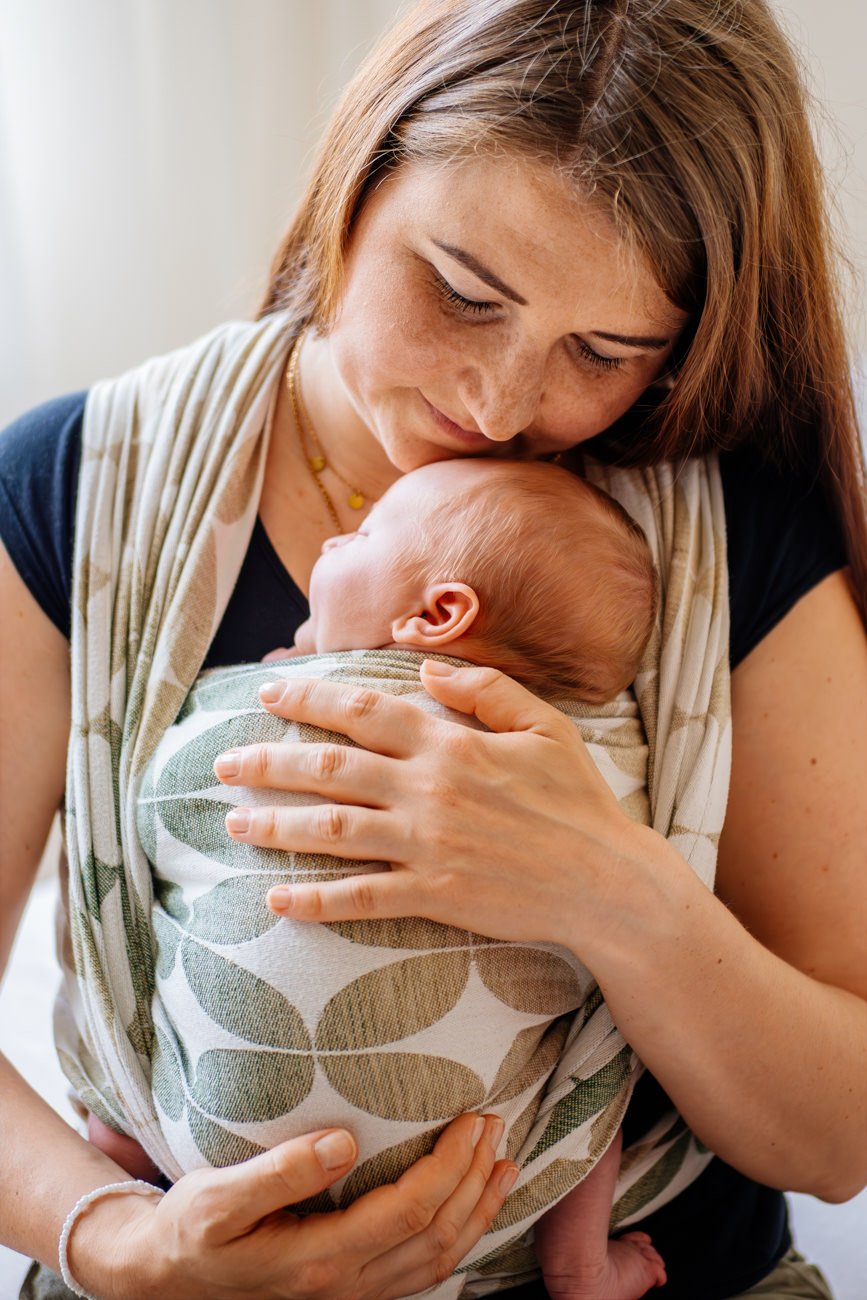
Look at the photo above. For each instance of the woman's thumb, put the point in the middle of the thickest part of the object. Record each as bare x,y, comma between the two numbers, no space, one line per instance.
285,1175
498,701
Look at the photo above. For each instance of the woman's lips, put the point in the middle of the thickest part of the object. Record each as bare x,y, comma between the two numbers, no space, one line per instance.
466,437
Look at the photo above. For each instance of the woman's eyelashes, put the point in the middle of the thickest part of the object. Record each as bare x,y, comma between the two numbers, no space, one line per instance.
463,306
587,353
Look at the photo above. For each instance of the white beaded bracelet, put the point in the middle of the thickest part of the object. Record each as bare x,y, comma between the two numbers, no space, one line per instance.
135,1186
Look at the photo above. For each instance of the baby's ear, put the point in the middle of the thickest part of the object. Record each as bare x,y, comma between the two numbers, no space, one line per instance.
449,611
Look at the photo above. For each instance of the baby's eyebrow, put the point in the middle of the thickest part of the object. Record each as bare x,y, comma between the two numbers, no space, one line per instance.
483,272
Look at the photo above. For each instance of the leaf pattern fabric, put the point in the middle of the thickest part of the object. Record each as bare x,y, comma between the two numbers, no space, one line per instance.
173,457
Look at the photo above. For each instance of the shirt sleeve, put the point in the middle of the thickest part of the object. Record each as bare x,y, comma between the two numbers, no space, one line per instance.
40,455
783,539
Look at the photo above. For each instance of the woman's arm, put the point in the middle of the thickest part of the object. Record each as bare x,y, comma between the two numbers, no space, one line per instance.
215,1233
761,1047
769,1062
34,708
47,1165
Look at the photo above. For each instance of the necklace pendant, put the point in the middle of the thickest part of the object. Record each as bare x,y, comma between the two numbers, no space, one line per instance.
356,500
317,464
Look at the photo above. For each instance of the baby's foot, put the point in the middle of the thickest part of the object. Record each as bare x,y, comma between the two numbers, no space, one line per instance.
630,1269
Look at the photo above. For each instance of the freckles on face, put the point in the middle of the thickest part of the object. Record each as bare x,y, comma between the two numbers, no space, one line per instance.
489,309
392,340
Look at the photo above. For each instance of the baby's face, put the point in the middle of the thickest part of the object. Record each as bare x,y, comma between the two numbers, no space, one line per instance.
363,581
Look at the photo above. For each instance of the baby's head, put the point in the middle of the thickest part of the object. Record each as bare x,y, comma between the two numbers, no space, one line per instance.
513,564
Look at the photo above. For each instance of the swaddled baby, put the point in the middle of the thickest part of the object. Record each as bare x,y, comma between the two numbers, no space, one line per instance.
268,1028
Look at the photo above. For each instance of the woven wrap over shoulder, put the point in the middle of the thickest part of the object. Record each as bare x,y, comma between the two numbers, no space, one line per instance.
171,474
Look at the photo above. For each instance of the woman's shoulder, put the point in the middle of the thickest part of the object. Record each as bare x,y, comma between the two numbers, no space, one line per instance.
40,453
782,539
36,433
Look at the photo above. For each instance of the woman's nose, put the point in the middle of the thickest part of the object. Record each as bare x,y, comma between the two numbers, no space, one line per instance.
508,396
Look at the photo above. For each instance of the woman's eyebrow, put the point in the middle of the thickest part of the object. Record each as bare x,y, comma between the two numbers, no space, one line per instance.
632,340
479,269
487,276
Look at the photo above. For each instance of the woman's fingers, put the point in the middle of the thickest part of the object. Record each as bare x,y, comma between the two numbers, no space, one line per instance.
227,1205
443,1264
334,771
500,702
223,1230
380,723
403,1211
358,834
354,898
455,1228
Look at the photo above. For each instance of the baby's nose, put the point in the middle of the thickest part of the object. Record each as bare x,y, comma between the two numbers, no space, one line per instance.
340,540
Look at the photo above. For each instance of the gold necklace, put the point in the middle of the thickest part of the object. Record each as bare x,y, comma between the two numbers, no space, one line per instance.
317,462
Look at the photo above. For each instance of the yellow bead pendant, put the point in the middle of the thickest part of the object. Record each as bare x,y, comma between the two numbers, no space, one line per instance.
356,500
317,464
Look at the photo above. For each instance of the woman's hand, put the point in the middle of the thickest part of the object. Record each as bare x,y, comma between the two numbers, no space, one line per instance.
511,831
223,1234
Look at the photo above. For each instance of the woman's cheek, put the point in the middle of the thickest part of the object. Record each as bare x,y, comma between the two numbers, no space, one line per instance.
601,401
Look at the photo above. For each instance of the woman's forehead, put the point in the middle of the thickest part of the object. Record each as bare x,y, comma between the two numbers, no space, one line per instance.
529,225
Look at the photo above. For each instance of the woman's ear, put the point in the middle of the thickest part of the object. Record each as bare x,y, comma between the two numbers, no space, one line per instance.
449,611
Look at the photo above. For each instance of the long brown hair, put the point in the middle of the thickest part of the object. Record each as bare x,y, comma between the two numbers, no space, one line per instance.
688,120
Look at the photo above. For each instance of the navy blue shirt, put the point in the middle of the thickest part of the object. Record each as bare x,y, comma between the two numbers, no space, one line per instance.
724,1232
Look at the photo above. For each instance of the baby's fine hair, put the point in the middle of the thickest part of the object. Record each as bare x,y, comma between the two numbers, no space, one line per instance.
565,579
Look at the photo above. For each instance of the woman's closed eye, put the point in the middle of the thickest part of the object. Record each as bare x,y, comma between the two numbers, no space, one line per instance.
586,353
465,306
459,302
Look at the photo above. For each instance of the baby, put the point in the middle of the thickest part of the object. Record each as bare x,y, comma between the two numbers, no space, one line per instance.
511,531
520,566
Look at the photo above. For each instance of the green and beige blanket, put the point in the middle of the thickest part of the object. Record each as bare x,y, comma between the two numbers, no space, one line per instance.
193,1019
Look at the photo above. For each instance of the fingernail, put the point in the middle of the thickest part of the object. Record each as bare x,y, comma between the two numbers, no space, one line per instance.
271,692
228,764
495,1131
335,1149
279,898
508,1180
238,821
478,1130
438,669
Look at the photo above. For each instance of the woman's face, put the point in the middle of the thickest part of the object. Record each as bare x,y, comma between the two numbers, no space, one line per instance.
487,308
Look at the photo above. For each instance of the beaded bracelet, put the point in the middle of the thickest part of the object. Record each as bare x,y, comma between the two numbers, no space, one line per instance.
135,1186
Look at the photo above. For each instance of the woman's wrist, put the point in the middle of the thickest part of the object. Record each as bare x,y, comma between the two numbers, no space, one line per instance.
641,889
106,1250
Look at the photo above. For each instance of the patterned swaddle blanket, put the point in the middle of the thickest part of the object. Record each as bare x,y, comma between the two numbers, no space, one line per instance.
269,1028
173,458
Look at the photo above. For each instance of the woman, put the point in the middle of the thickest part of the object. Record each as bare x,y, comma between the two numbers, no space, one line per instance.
534,226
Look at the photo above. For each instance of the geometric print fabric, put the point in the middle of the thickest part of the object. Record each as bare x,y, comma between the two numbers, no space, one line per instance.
268,1028
173,456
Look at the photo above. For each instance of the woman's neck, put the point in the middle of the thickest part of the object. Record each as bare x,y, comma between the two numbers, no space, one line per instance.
292,507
